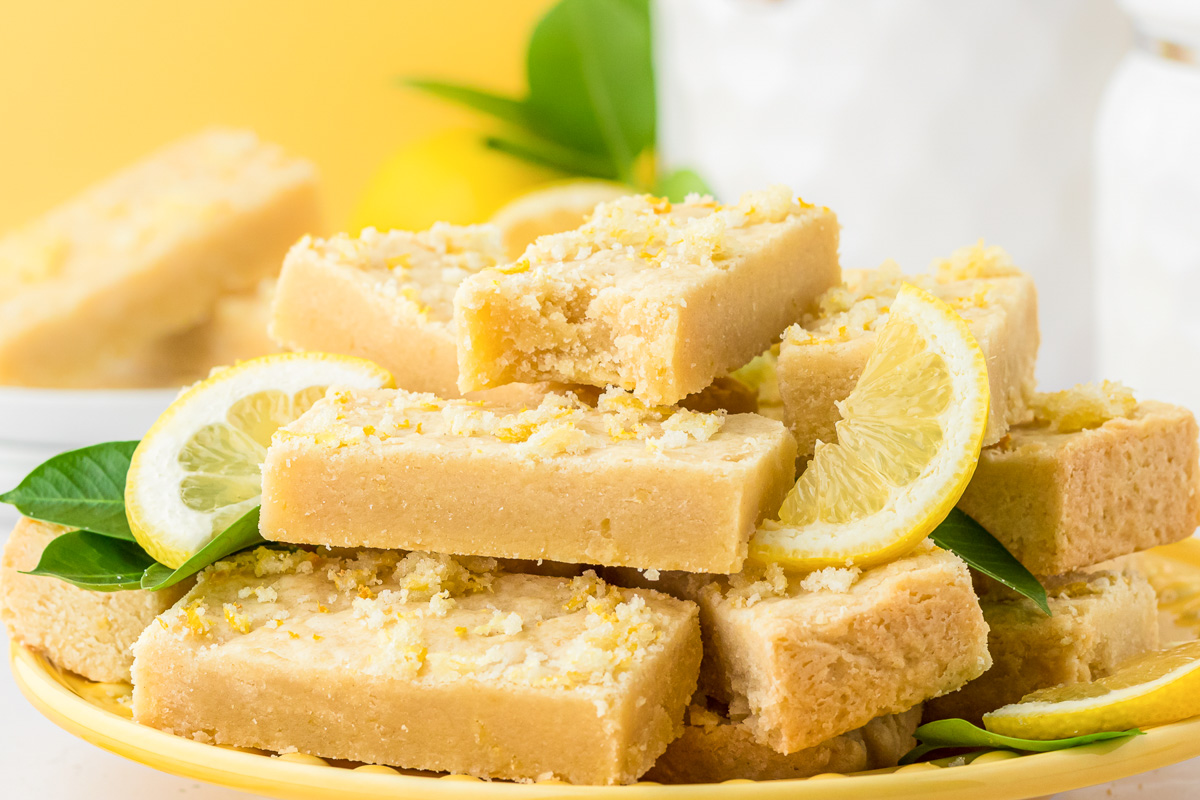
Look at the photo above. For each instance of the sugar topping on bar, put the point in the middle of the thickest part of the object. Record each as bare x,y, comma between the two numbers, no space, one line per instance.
655,297
423,269
560,424
653,232
861,304
402,600
974,262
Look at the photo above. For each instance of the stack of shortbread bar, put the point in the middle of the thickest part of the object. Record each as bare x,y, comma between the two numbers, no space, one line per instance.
529,561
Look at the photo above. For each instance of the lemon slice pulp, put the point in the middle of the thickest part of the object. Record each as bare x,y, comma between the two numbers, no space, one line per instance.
1153,689
559,206
907,445
198,469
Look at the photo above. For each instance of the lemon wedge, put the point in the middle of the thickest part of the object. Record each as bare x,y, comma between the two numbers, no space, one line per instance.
559,206
907,445
198,468
1152,689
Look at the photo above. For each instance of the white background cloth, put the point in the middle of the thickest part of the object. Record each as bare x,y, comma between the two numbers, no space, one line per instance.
925,124
1148,226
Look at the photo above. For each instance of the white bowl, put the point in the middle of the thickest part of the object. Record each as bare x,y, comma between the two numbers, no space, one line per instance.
36,424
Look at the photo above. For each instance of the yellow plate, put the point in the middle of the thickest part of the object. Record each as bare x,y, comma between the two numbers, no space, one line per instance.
98,713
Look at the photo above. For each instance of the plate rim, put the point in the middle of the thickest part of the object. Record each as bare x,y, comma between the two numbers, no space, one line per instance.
1014,778
50,691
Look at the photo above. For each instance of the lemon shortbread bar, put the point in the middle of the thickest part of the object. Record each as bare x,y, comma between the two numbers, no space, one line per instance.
620,484
235,330
1095,476
821,359
388,297
714,748
422,661
1100,618
147,253
799,659
652,297
83,631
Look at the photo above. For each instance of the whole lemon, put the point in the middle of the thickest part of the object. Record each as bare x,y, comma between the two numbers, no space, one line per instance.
451,176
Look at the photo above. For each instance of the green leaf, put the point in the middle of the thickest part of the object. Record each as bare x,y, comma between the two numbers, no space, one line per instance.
679,184
502,108
639,7
82,489
242,534
960,733
967,539
591,80
103,563
548,154
94,561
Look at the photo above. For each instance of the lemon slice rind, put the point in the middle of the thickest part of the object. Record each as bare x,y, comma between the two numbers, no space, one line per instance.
162,523
1170,693
914,509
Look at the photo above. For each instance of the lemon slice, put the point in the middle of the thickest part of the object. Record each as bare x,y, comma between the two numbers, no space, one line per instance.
908,443
558,207
198,469
1152,689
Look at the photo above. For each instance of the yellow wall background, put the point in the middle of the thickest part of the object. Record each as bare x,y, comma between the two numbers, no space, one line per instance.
86,87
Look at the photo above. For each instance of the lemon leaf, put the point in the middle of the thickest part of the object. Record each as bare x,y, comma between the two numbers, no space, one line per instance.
591,105
548,154
591,79
82,488
94,561
242,534
502,108
959,733
102,563
967,539
677,185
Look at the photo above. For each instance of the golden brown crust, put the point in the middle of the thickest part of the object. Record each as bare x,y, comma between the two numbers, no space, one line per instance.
1100,619
723,750
1065,501
802,659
